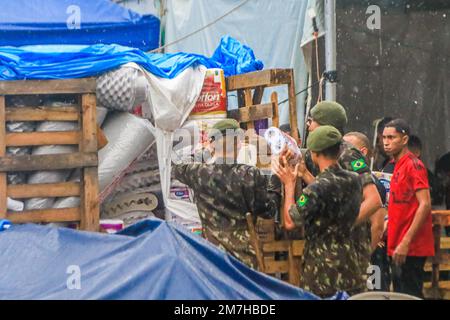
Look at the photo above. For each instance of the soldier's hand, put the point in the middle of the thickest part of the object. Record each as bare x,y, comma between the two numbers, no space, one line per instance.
302,168
400,253
286,173
287,153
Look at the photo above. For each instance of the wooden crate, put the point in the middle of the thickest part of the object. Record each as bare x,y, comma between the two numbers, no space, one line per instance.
86,159
439,288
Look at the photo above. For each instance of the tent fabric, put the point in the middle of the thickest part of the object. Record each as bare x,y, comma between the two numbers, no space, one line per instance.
32,22
152,259
77,61
272,28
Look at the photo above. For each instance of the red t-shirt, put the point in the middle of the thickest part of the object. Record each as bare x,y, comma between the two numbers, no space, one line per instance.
410,175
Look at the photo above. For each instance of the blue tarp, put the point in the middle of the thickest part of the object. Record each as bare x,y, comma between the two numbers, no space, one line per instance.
152,259
30,22
66,61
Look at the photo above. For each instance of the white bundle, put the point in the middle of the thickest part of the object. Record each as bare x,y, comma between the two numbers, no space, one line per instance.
51,176
128,137
122,89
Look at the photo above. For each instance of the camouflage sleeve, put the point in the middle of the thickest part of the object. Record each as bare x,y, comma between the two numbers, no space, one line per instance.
307,206
352,159
267,198
186,173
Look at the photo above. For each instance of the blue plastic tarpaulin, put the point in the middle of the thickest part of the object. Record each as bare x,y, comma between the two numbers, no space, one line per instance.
69,61
30,22
152,259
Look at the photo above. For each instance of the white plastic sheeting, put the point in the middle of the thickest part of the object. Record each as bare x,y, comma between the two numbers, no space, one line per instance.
272,28
171,101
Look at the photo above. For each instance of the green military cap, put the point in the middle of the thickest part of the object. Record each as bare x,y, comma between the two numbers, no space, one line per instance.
329,113
221,127
323,137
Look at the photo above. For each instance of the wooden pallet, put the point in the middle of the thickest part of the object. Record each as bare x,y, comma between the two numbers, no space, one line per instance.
86,159
250,89
437,288
289,252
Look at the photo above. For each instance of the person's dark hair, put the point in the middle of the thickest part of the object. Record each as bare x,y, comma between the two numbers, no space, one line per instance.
383,123
414,142
331,152
286,128
400,125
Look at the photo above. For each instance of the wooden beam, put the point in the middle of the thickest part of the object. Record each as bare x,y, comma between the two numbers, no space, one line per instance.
298,246
252,113
292,105
266,78
281,245
276,266
44,190
258,95
48,162
43,114
248,102
20,139
75,86
3,206
45,215
90,211
276,114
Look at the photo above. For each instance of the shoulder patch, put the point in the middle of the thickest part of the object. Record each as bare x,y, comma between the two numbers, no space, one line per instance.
303,200
358,164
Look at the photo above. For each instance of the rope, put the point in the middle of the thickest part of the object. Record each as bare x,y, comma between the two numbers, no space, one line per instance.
201,29
320,79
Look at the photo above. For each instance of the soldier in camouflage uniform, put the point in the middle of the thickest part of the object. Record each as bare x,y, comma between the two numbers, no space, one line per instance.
350,158
225,191
327,210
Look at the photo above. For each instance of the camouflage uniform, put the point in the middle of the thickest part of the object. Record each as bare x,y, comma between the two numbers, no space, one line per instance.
351,159
224,193
327,210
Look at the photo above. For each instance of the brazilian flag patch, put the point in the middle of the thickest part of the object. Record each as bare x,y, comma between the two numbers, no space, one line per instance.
302,200
358,164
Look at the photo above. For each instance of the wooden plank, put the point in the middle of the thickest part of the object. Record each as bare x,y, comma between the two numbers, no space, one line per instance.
75,86
248,102
298,246
3,207
292,106
48,161
267,78
90,211
294,268
441,292
45,215
252,113
248,80
258,95
275,246
20,139
441,217
276,266
89,123
44,190
445,243
276,114
255,242
442,267
43,114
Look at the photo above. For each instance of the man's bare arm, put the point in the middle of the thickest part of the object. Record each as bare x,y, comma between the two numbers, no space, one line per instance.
370,204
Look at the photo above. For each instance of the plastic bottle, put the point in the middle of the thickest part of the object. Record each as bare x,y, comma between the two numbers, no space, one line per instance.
277,141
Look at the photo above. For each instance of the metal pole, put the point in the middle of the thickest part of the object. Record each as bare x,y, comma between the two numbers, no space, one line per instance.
330,46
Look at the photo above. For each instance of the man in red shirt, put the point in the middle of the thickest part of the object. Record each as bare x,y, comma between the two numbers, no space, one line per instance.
410,236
